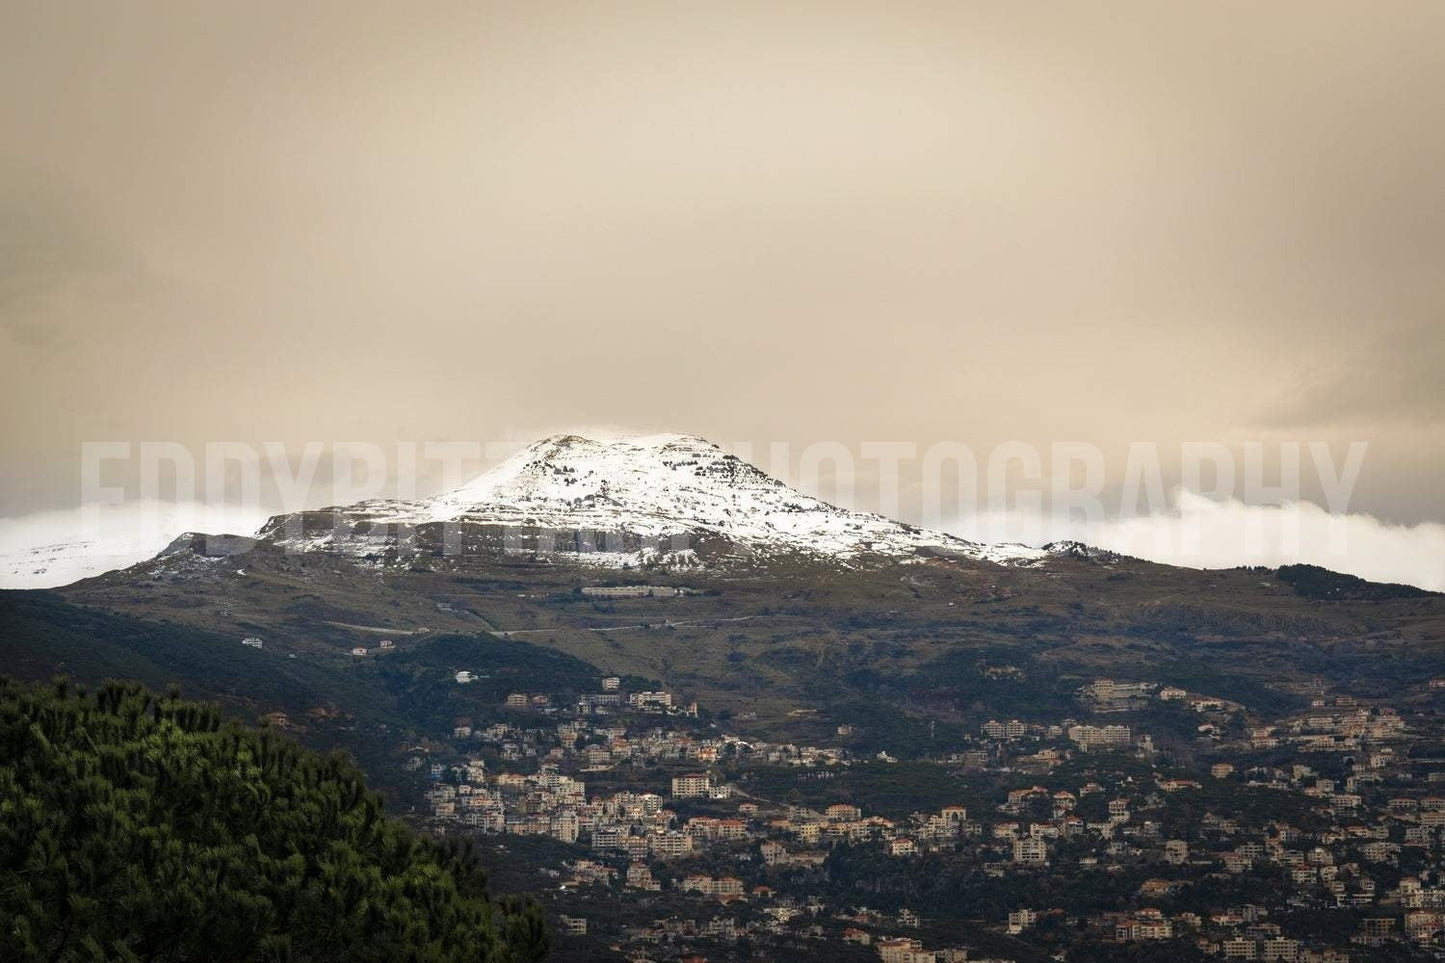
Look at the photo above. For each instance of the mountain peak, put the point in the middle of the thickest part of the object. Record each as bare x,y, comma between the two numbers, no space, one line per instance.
644,490
569,441
666,486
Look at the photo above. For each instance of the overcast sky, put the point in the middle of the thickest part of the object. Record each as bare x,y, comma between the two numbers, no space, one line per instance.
895,221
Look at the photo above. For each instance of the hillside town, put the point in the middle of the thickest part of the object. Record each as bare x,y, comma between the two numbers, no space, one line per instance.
1313,838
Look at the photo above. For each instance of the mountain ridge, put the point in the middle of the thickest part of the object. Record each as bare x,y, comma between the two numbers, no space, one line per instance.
664,492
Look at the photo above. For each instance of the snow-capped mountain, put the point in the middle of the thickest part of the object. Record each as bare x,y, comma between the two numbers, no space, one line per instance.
668,491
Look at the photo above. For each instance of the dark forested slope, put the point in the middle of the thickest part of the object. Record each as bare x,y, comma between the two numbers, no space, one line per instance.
139,827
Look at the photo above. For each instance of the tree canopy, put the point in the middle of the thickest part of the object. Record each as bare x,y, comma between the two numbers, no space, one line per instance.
142,827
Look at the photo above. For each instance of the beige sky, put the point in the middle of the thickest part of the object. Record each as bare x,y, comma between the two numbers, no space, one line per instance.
859,222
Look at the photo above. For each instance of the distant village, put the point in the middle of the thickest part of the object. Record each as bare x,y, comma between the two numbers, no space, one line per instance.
1365,843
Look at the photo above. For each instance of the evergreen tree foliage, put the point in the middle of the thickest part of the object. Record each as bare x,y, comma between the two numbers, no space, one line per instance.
135,827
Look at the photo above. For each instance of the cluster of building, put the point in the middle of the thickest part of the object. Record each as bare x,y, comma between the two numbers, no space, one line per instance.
1368,840
1347,814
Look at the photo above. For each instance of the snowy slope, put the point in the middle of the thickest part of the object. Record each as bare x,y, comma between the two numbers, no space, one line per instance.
51,549
60,563
656,487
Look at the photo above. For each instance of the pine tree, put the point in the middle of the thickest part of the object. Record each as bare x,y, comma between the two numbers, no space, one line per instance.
140,827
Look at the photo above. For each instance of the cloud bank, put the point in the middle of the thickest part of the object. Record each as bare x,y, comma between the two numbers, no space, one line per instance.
50,549
1199,532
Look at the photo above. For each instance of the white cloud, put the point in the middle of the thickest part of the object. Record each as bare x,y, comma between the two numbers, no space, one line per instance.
1199,532
49,549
